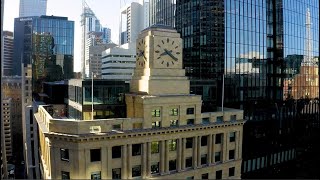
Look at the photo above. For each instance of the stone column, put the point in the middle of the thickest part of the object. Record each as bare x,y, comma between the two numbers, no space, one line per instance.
104,163
109,159
162,157
148,159
183,156
224,147
199,151
166,156
129,157
240,143
144,161
179,154
124,168
195,154
213,149
210,152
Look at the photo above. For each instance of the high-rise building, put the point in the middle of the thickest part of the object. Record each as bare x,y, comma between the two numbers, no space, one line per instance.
131,22
253,53
162,12
8,53
165,135
32,8
7,105
145,4
106,36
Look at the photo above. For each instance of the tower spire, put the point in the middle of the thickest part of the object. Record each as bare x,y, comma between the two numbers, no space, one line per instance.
308,59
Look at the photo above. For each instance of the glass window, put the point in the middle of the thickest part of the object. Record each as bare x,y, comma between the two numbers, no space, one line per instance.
116,152
205,121
95,155
190,177
155,113
217,156
116,173
232,136
174,112
116,127
64,154
218,138
136,171
204,140
156,124
155,168
231,171
220,119
172,165
188,162
173,123
136,149
190,121
172,145
205,176
219,174
231,154
65,175
190,110
189,143
233,117
155,147
96,175
203,159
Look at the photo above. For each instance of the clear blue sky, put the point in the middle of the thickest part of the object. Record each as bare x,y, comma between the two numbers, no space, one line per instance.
106,10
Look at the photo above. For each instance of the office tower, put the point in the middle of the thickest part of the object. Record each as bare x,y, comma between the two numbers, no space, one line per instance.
131,22
47,43
162,12
106,34
3,168
145,4
118,63
165,135
32,8
8,53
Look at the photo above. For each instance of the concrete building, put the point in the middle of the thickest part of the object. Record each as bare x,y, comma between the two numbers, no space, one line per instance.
32,8
118,62
7,105
8,53
131,22
165,135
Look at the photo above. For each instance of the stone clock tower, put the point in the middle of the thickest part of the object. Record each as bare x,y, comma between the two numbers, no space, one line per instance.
159,63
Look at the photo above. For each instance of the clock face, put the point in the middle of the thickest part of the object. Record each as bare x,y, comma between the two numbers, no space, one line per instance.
167,52
141,53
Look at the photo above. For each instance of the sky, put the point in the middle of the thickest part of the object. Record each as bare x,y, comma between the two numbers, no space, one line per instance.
107,11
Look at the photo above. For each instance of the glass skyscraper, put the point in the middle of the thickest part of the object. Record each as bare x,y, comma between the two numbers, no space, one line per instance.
46,42
162,12
32,8
268,53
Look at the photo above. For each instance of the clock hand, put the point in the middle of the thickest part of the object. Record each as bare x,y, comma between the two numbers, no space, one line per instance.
170,54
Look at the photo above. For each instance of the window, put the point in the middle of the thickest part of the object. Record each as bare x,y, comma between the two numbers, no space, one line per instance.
116,127
174,112
205,176
231,171
190,121
218,138
172,145
65,175
136,171
189,143
233,117
188,162
64,154
136,149
204,140
137,126
203,159
95,155
156,124
172,165
217,156
96,175
155,168
205,121
155,113
231,154
155,147
173,123
116,152
190,110
116,173
232,136
219,174
220,119
190,177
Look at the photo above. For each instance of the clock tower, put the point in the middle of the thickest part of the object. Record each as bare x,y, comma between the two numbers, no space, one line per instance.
159,63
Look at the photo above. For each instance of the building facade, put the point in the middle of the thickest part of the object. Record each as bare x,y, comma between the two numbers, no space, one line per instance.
7,53
27,8
6,105
165,135
162,12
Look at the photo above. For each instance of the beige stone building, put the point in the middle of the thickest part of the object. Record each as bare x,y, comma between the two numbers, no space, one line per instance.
165,135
